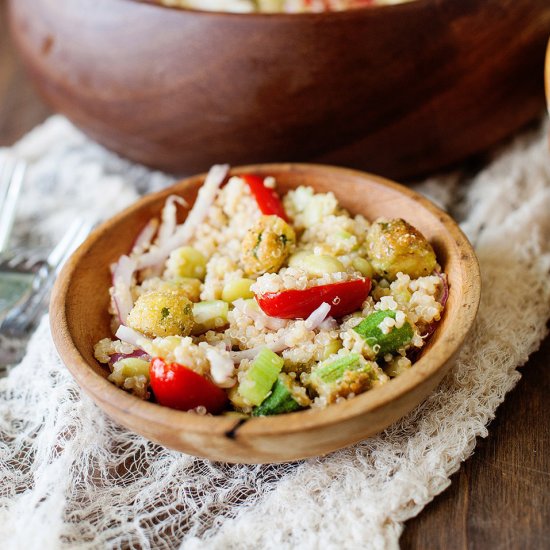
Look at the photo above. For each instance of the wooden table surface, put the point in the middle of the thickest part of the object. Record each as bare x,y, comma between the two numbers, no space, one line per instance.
500,498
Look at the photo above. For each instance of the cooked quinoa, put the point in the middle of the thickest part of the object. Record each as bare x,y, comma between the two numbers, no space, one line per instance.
276,303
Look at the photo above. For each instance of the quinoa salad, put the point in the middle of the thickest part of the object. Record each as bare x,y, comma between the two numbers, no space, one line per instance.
260,304
277,6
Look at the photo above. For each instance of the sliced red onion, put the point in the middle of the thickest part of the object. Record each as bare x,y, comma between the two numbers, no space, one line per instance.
318,316
272,323
330,323
183,232
442,299
430,330
138,354
143,240
278,346
154,258
123,272
222,369
131,336
168,217
444,295
206,196
312,322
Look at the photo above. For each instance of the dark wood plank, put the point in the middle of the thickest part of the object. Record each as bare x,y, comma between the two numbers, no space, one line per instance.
500,498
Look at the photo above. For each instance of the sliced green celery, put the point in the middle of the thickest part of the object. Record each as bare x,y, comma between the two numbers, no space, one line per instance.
210,315
331,372
128,368
332,347
132,366
279,401
387,343
332,379
261,376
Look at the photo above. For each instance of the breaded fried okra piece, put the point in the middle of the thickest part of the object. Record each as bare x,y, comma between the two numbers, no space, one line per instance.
190,286
341,376
162,313
396,246
267,245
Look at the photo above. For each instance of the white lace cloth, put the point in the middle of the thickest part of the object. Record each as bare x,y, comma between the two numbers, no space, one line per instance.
71,478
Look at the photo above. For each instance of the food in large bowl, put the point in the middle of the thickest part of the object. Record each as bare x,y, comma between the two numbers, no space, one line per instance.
81,317
398,90
277,6
263,305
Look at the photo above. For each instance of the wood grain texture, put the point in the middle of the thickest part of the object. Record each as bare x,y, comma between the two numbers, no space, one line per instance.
501,504
79,319
500,498
547,76
397,90
20,108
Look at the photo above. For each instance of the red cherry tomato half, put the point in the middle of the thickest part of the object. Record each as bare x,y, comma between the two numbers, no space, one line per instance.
343,298
267,199
178,387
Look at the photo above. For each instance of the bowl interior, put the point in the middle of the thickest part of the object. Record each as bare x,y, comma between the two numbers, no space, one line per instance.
81,300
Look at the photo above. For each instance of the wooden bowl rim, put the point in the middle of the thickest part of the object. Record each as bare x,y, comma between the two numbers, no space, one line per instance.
442,350
547,76
343,14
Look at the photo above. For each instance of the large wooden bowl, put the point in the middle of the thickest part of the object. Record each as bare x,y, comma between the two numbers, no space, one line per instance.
79,319
547,76
397,90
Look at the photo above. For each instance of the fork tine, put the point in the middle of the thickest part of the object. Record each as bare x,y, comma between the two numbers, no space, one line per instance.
6,258
19,320
19,260
11,181
16,261
34,258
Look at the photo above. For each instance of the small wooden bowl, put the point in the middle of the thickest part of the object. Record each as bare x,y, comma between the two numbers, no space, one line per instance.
397,90
79,319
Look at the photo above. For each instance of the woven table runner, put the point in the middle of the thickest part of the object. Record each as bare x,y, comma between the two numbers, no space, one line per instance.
71,478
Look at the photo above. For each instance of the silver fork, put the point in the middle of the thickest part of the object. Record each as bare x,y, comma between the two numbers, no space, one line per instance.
18,271
39,275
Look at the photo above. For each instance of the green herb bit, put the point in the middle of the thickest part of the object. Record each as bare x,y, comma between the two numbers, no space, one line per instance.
257,245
